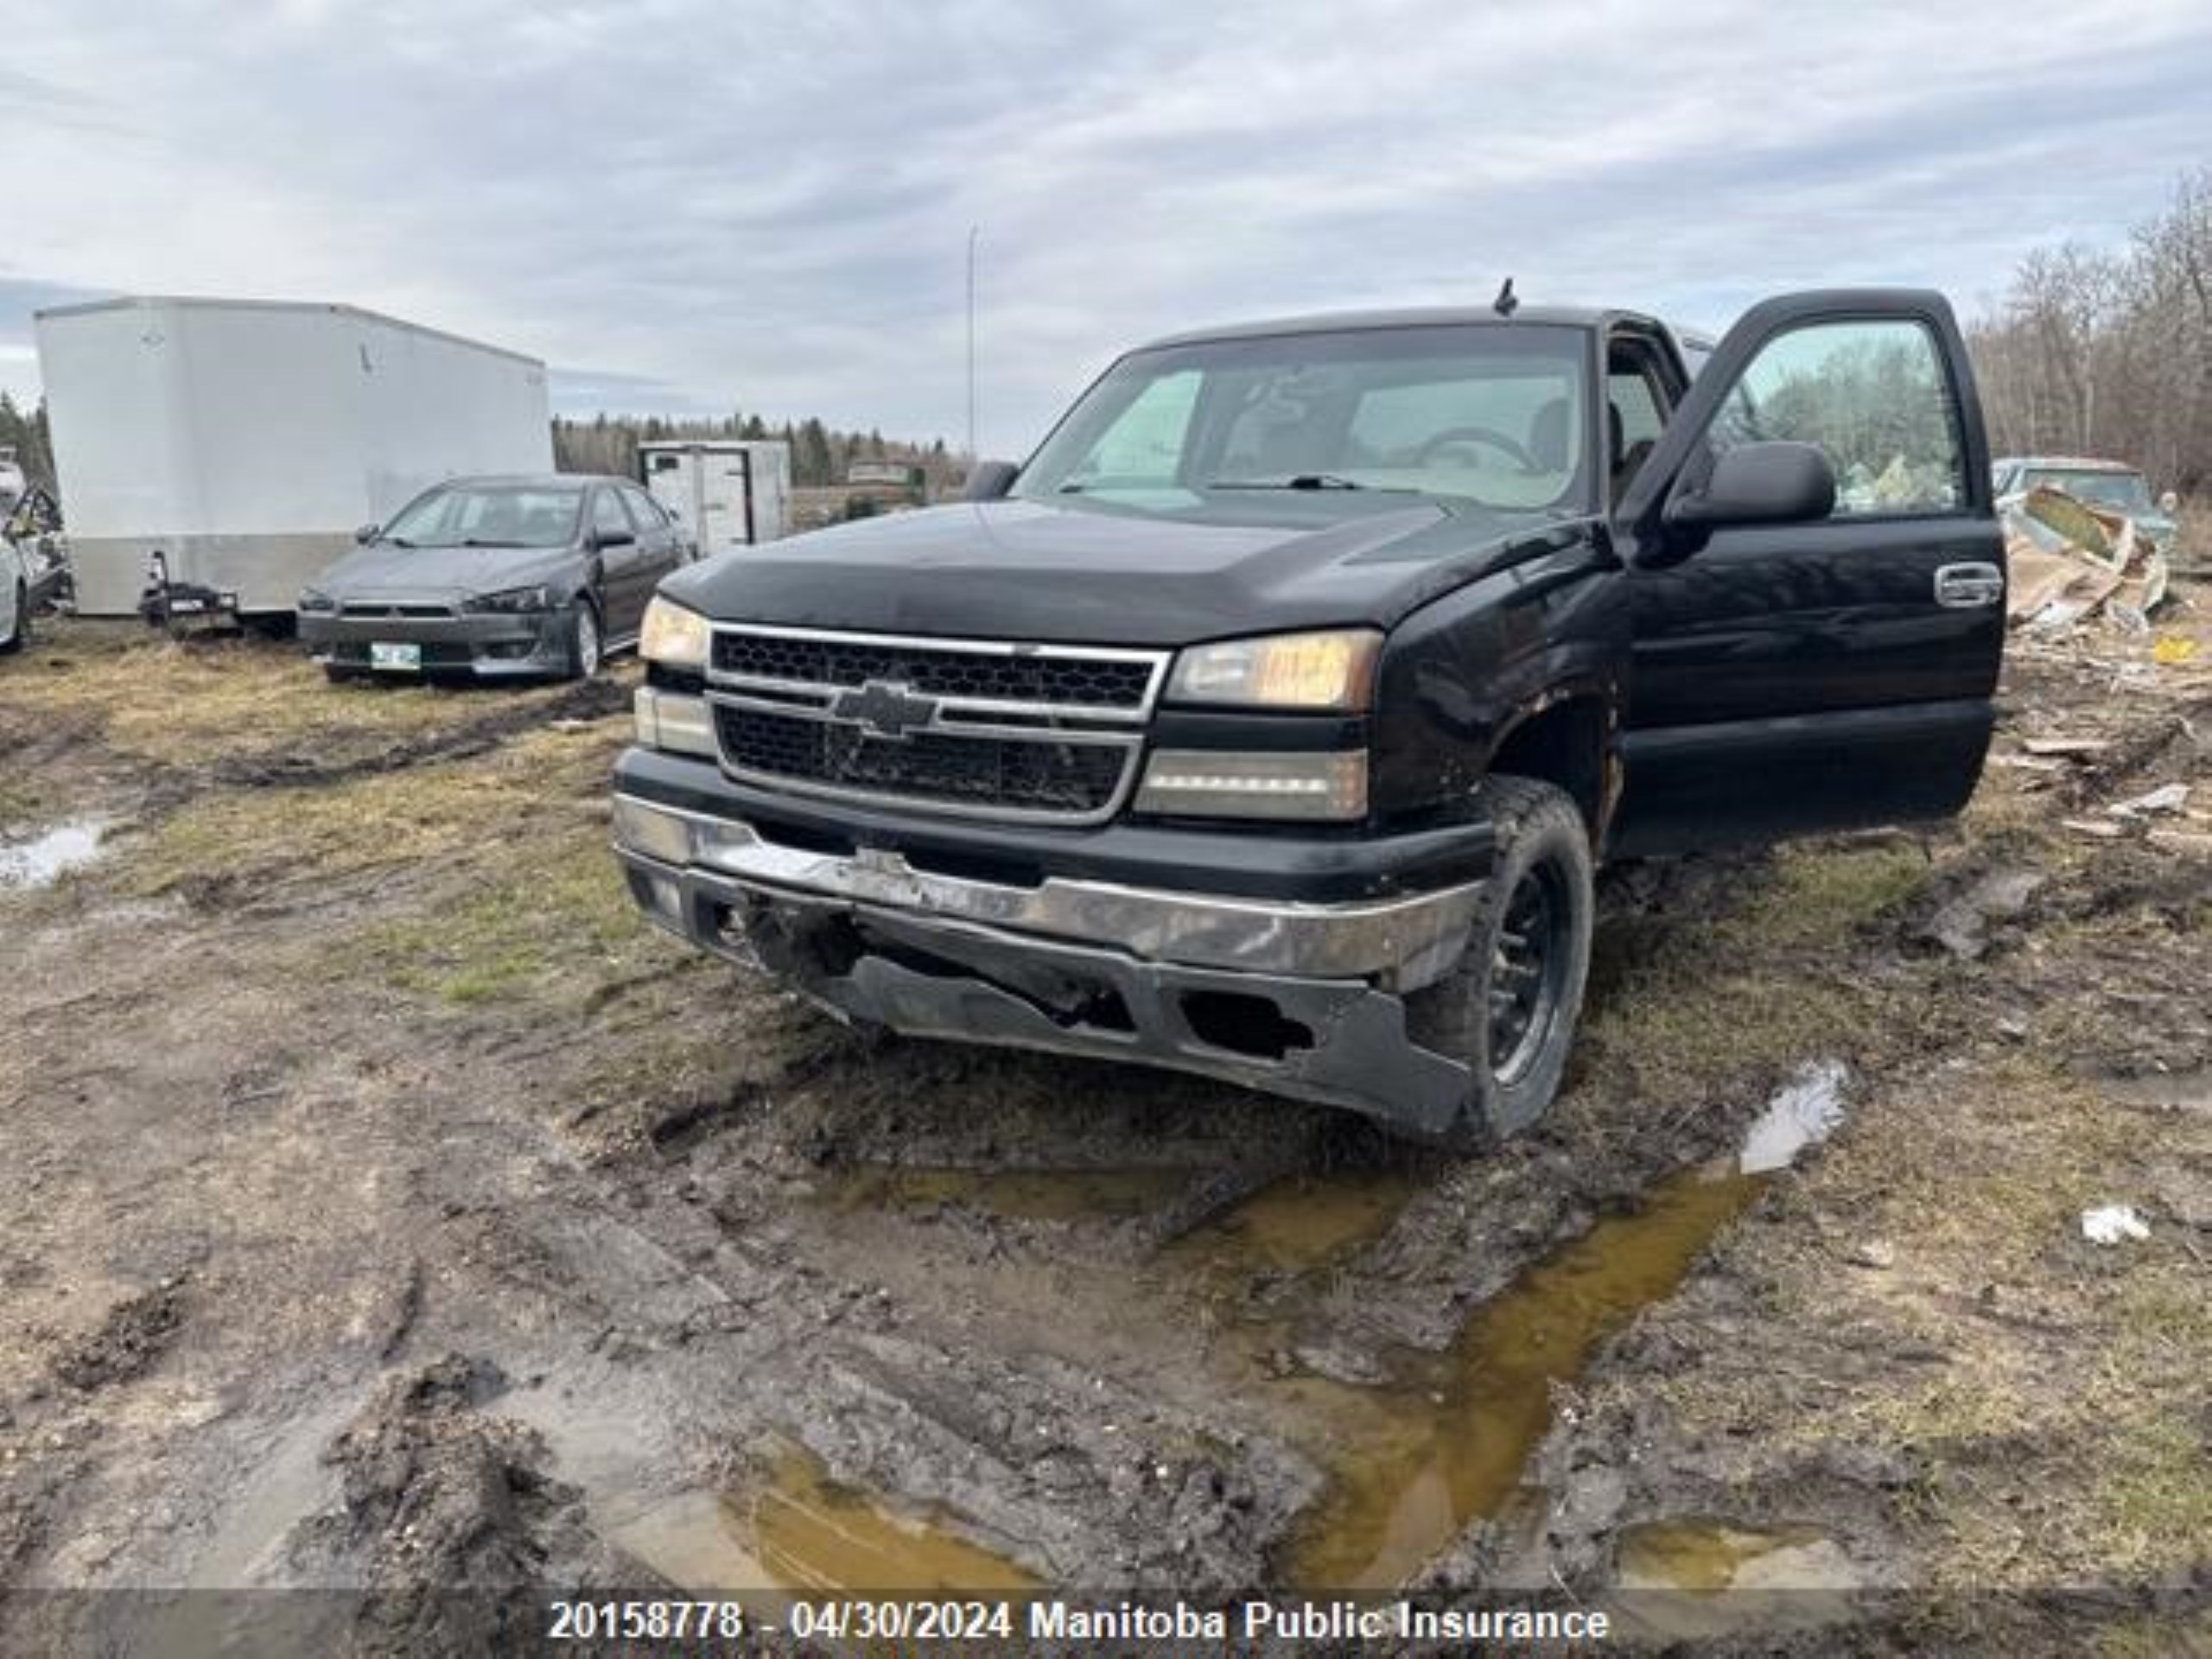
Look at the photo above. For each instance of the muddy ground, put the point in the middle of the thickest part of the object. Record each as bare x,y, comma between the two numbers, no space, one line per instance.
392,1209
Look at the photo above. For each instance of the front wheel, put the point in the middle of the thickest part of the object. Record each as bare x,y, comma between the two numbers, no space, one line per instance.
1508,1011
583,641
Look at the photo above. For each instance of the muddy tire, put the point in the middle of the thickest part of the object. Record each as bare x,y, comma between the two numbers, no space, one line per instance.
1508,1011
585,641
19,630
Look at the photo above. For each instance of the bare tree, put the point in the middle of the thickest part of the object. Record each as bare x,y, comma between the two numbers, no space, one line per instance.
2111,354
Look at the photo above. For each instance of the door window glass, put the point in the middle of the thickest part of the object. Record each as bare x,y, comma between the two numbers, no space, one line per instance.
643,512
1873,395
607,517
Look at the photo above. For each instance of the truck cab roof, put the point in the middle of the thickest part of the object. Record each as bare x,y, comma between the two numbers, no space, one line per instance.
1326,322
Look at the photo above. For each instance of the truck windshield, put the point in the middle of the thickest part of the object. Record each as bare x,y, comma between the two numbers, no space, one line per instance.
2121,491
1492,415
489,515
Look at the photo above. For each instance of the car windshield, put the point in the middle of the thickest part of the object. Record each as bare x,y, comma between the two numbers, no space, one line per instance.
2122,491
1490,416
489,515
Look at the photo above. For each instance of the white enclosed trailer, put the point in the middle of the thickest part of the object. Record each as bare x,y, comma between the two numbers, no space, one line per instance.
246,441
729,493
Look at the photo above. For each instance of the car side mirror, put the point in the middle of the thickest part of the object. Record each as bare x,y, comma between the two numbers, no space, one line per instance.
366,534
2170,503
1772,483
612,538
990,480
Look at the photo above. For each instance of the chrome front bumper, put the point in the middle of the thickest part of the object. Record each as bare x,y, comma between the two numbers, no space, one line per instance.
1396,945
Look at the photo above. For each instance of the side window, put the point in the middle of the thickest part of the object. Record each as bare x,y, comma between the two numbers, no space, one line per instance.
1633,413
1639,408
643,511
607,515
1144,444
1873,395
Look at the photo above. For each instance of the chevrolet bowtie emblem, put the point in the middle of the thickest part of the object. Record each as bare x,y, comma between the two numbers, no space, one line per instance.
884,709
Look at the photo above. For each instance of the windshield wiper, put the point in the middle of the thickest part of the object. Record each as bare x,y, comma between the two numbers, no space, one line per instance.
1298,481
475,541
394,541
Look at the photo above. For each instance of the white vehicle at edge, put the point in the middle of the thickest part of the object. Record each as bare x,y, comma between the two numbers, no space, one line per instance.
15,597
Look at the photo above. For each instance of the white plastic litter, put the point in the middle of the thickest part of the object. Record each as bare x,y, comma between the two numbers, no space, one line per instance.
2113,1223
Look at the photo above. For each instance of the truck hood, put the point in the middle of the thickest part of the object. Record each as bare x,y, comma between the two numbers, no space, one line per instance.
1031,570
383,571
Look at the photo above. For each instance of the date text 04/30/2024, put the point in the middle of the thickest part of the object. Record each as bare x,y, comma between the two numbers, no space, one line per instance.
1047,1620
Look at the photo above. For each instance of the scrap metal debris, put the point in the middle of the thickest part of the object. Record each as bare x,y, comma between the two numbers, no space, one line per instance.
2069,561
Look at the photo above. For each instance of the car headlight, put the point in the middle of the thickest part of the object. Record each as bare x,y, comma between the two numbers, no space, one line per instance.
1333,670
673,637
513,599
1327,786
316,604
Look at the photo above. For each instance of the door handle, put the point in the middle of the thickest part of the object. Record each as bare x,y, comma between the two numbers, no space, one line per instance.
1968,587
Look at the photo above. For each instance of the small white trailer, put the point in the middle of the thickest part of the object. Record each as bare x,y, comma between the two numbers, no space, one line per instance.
727,491
246,441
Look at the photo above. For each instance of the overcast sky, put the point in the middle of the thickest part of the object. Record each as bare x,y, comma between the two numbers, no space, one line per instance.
696,204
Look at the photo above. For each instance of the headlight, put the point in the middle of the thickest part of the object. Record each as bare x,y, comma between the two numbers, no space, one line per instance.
672,636
314,603
1334,670
513,599
1208,783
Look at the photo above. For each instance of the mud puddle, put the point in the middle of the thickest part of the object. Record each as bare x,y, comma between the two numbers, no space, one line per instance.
1444,1443
1803,1114
1295,1225
1698,1579
1709,1555
45,859
799,1531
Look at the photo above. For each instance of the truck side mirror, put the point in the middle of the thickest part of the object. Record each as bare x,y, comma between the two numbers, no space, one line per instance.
366,534
2170,503
990,480
1774,483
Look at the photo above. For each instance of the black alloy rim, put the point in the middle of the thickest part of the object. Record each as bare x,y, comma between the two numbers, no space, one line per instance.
1527,971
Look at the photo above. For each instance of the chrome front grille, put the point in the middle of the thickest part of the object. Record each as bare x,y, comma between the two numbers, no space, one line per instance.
977,727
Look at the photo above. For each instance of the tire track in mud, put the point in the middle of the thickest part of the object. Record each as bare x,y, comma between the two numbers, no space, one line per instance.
588,700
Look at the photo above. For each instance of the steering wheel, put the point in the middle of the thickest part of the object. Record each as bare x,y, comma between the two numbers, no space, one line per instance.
1477,435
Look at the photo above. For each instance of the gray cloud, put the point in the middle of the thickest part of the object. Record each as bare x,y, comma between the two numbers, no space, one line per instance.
721,205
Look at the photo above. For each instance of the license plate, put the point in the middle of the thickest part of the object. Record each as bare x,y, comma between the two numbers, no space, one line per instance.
404,659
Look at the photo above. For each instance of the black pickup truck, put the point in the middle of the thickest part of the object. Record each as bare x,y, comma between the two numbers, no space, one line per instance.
1268,723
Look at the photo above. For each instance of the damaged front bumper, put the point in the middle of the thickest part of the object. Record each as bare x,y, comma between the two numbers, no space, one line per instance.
1298,999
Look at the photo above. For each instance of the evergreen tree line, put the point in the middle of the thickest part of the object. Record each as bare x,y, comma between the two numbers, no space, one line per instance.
606,443
821,457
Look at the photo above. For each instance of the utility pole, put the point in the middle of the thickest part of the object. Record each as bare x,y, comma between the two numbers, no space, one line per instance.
973,455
